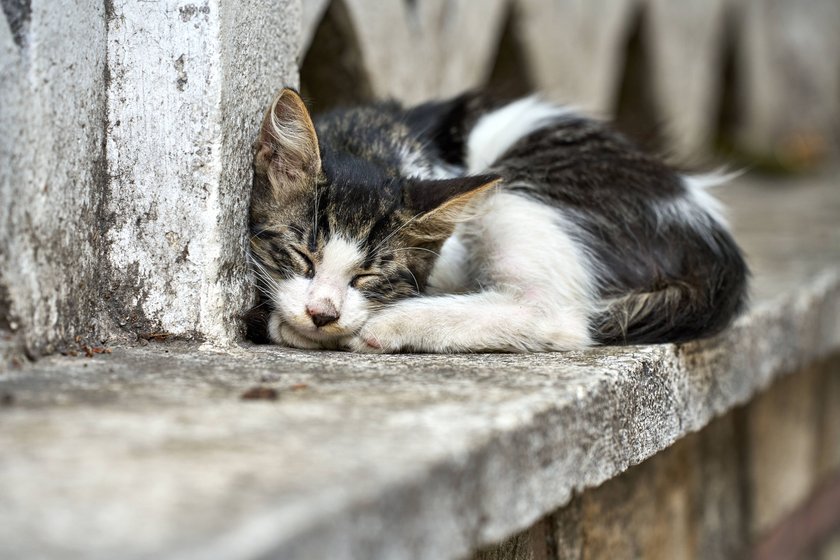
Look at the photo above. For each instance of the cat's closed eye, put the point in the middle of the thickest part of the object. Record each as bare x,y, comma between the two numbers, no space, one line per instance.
306,263
360,279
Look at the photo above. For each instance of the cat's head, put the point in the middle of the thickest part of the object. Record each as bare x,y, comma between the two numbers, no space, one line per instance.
335,237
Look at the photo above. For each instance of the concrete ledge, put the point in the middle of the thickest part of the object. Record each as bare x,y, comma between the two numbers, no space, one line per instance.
150,451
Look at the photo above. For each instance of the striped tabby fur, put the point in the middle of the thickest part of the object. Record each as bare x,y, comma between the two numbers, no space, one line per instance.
474,225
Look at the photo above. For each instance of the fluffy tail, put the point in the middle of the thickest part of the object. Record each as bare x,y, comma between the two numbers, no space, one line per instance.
699,305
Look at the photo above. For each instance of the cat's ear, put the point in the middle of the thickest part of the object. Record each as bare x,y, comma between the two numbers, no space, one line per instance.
287,147
437,205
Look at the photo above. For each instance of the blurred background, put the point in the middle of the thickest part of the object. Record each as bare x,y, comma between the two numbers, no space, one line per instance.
753,82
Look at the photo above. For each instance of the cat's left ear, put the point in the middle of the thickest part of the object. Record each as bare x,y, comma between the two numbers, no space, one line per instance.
438,205
287,147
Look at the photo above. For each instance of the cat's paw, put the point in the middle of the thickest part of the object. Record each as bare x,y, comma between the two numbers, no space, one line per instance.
380,335
365,342
391,330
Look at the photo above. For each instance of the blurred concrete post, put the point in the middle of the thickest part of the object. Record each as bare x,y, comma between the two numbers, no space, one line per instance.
790,82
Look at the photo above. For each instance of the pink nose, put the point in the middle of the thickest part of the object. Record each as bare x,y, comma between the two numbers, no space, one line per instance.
322,315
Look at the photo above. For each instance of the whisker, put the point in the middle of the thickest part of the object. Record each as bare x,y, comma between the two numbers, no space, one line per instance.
266,302
257,234
417,249
396,231
295,229
315,214
263,274
416,283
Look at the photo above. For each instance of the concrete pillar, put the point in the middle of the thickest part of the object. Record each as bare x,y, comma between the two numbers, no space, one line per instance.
129,161
188,85
52,171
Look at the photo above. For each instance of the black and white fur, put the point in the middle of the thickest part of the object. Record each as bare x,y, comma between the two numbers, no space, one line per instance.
585,240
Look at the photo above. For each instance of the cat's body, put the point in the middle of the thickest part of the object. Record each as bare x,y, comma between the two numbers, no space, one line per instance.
413,244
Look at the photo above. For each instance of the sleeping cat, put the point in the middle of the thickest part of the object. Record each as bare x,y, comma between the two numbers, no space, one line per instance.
471,225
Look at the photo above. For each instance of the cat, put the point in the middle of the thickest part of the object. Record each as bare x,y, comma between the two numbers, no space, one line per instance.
476,225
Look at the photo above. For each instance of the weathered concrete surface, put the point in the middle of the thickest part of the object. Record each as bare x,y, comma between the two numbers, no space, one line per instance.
52,117
125,164
682,503
528,545
783,448
188,83
150,451
752,483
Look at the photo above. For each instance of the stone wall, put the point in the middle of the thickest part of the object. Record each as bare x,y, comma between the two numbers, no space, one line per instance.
128,125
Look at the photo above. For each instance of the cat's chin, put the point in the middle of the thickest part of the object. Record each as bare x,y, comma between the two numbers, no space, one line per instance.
287,335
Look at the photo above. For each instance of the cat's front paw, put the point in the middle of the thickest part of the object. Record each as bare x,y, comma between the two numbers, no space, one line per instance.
380,335
369,343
